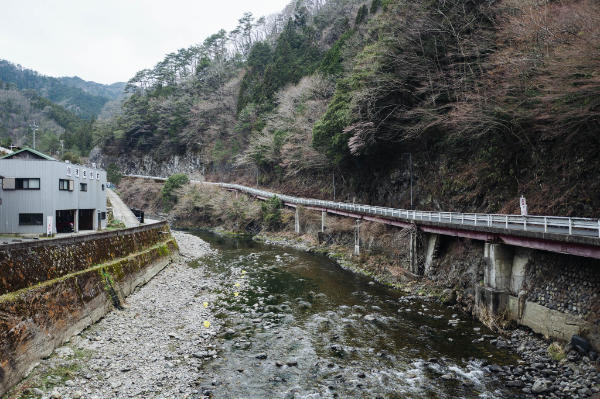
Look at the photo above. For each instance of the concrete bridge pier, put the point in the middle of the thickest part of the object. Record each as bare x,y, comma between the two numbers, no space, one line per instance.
412,253
431,249
357,238
323,220
297,221
492,297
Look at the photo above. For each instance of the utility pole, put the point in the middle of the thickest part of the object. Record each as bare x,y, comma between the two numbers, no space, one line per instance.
410,168
411,179
334,185
34,128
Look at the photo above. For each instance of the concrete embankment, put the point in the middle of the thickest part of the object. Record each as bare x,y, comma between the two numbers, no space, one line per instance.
52,289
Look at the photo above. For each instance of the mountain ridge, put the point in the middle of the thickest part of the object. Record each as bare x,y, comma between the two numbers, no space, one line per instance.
84,98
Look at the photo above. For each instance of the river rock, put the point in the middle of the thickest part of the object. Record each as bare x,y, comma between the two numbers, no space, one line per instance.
580,344
541,386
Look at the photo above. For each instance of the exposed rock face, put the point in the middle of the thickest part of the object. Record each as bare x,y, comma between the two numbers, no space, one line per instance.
190,164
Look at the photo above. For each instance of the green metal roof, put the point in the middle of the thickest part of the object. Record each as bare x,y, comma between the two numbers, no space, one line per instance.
31,150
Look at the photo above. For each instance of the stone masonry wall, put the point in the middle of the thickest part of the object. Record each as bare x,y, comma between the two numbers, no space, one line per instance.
568,284
62,286
26,264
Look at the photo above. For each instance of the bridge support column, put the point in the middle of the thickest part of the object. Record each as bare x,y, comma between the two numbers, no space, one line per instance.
492,297
433,241
323,220
412,252
498,270
357,238
297,221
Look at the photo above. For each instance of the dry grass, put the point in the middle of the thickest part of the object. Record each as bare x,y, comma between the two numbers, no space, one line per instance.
206,206
141,193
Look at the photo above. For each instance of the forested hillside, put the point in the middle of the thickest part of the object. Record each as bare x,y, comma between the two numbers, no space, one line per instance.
85,99
63,109
20,110
483,101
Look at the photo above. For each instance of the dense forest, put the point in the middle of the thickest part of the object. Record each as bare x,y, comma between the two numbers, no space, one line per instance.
483,101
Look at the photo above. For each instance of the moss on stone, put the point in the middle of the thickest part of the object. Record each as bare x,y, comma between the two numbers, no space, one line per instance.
556,352
101,269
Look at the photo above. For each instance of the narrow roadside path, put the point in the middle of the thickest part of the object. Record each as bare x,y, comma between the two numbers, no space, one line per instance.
154,348
120,210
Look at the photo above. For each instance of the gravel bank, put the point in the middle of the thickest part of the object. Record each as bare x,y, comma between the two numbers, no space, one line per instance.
153,348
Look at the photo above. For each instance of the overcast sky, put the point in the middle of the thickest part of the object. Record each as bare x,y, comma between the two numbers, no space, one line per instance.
109,40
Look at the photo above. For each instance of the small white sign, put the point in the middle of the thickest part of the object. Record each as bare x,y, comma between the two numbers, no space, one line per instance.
49,224
523,204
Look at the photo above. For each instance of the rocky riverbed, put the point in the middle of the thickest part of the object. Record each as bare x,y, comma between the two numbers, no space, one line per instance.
545,370
248,320
154,347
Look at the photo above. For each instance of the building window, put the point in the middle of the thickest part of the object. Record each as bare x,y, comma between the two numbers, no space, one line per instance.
65,185
103,215
84,174
76,172
103,187
82,186
97,176
31,219
27,184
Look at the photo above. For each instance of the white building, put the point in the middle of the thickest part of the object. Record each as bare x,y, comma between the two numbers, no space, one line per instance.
40,194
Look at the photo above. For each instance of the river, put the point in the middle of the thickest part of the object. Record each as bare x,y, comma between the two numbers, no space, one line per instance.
298,326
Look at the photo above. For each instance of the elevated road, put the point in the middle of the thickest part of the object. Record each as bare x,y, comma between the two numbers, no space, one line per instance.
569,235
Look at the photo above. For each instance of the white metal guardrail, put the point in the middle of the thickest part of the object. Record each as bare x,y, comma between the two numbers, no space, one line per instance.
548,224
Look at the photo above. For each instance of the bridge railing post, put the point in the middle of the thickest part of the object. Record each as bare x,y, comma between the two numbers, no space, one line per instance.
545,224
570,226
599,228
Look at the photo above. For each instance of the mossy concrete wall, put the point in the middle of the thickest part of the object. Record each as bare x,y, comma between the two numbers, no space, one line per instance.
53,289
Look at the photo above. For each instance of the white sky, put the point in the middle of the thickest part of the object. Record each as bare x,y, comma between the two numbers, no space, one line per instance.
108,41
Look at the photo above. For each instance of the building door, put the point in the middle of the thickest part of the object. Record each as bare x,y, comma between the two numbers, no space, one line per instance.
86,219
65,220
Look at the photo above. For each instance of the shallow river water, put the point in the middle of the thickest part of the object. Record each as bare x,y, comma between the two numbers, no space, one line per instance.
298,326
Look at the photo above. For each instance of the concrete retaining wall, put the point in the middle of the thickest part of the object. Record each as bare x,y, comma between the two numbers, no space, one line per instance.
80,288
